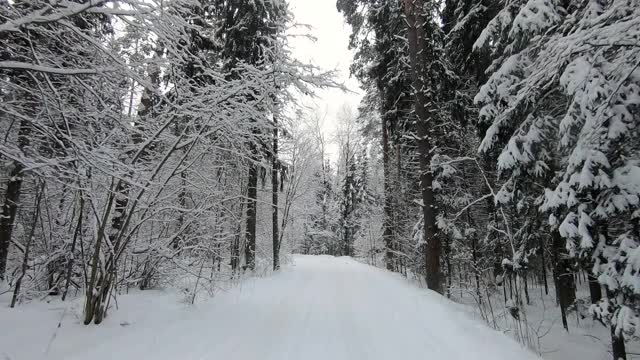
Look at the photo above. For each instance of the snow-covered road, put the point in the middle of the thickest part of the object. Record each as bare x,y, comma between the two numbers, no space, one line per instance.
319,308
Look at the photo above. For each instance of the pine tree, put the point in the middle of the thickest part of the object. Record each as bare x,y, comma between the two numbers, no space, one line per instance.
424,37
567,122
381,64
248,28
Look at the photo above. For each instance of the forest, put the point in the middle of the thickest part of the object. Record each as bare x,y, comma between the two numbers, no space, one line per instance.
494,158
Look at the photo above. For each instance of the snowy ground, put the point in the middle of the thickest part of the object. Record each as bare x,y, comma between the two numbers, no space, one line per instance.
317,308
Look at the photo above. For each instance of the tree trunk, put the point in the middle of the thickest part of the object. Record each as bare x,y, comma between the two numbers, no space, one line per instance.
182,200
563,275
476,272
71,258
617,338
235,246
617,345
387,233
252,194
275,166
419,52
595,290
398,211
9,210
102,277
12,199
92,296
447,256
526,288
25,261
543,266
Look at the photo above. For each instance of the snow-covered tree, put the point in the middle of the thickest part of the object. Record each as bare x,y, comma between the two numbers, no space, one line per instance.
561,101
135,128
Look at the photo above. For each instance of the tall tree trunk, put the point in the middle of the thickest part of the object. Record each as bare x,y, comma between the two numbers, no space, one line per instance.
474,254
25,261
387,233
252,194
476,272
94,283
526,287
12,199
102,275
182,200
275,166
399,213
617,345
617,338
235,245
71,258
595,290
447,256
235,250
543,265
563,275
9,210
419,52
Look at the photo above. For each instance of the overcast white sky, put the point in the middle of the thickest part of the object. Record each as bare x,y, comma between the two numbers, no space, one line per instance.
330,52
